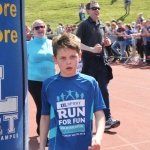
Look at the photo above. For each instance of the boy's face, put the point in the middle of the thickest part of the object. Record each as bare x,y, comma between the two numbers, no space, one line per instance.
67,60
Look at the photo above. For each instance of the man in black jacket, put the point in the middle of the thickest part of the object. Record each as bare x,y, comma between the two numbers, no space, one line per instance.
92,32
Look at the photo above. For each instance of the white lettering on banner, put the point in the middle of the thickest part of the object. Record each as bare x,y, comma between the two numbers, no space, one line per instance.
9,137
7,107
1,131
10,104
1,72
10,118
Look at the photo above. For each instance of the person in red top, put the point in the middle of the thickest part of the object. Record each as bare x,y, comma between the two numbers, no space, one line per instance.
28,34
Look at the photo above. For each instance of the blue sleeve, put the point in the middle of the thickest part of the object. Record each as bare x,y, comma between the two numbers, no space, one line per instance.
45,104
98,99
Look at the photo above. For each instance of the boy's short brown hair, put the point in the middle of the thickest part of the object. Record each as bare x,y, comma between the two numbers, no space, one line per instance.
66,40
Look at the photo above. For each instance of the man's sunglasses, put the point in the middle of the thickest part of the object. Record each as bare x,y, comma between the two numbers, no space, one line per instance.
38,27
95,8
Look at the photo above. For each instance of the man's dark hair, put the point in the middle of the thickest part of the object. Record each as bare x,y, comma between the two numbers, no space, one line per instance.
88,4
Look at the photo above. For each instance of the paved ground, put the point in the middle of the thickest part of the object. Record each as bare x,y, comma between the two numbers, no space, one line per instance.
130,102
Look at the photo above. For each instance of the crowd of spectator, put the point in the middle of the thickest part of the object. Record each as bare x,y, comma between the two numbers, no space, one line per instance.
51,33
125,39
129,39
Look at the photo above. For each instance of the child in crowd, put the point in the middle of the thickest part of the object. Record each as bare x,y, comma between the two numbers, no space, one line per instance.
140,16
82,12
108,25
128,41
69,100
59,28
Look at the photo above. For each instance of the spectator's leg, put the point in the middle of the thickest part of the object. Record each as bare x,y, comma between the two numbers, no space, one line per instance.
80,16
127,50
35,90
145,49
114,47
129,3
122,48
125,7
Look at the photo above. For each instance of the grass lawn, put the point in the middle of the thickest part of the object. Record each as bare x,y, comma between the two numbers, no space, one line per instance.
66,11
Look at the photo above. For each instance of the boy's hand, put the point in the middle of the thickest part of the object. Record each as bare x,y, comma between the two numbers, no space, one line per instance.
95,144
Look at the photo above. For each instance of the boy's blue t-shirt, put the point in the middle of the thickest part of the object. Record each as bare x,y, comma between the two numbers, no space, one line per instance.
71,102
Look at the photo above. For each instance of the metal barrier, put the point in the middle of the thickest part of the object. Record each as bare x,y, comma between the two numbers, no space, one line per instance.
132,56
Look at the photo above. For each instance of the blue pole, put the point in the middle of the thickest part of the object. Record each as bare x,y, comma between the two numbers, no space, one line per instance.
13,77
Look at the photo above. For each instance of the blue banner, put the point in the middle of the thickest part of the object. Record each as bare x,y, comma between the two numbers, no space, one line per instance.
13,77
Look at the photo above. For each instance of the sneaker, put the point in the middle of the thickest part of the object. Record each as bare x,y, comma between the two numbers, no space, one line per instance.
112,123
117,54
115,59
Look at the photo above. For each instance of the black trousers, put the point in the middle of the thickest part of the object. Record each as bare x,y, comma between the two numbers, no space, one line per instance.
95,67
35,88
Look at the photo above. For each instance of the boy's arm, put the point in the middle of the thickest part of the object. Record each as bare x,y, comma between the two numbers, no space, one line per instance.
100,126
44,128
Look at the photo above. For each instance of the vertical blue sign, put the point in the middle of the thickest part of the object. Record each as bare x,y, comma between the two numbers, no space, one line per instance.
13,77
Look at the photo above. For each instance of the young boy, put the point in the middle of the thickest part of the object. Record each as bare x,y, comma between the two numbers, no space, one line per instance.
69,100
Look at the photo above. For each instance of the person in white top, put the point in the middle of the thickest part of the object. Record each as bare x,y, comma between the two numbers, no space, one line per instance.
82,12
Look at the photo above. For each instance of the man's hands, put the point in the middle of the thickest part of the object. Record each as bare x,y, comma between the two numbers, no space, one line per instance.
97,48
95,144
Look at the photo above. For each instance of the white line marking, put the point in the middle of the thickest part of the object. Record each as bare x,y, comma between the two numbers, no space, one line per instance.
131,85
131,102
127,145
147,77
126,141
